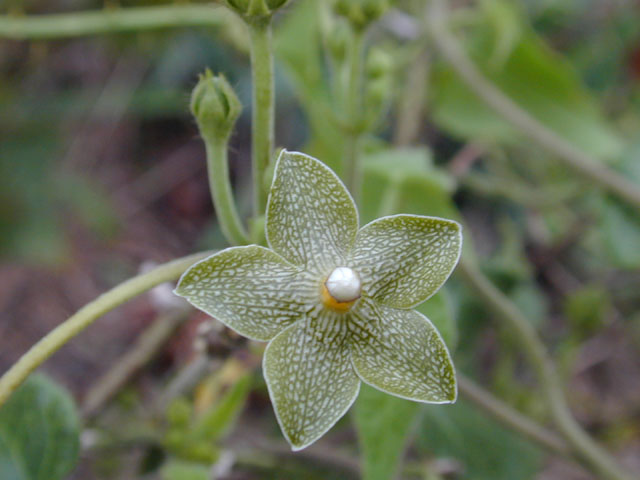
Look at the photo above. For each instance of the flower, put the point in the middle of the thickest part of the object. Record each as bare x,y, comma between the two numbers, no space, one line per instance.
333,301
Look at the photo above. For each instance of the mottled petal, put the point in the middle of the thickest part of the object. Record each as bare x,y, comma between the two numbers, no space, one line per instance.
404,259
311,380
401,353
250,289
311,218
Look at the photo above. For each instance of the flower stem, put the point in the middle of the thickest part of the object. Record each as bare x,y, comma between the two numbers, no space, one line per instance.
582,444
579,161
263,108
65,25
352,167
221,193
84,317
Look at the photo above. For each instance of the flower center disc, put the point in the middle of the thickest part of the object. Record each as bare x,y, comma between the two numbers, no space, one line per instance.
341,289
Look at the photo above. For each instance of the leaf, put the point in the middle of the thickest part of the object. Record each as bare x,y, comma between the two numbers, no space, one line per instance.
486,450
538,80
217,421
383,423
39,432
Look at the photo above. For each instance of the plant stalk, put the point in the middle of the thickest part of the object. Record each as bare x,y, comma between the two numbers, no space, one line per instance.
584,447
221,192
84,317
352,167
263,108
134,19
579,161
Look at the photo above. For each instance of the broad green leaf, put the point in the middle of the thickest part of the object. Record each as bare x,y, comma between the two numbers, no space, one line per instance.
404,259
310,378
39,432
485,450
180,470
621,234
311,218
401,353
384,424
250,289
537,79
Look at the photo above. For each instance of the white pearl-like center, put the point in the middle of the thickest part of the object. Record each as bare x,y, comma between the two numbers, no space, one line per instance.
344,285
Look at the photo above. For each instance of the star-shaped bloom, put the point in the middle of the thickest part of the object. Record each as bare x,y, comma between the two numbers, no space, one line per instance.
333,301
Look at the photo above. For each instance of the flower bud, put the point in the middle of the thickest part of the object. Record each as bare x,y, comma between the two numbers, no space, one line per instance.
215,106
361,13
379,63
255,8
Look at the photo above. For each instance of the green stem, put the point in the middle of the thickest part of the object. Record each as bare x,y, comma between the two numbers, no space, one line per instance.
77,24
263,108
579,161
84,317
511,418
582,444
352,167
221,193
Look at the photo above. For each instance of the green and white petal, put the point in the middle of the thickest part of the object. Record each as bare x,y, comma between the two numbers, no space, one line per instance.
310,377
312,220
404,259
250,289
400,352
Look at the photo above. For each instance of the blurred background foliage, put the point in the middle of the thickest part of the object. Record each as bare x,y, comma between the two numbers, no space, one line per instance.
101,170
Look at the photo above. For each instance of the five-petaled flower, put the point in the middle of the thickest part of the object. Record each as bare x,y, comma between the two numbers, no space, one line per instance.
333,301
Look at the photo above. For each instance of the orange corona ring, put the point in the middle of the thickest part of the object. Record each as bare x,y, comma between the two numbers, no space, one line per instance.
341,289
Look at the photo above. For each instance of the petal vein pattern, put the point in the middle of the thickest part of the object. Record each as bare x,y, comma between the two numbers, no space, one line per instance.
250,289
311,380
400,352
404,259
311,218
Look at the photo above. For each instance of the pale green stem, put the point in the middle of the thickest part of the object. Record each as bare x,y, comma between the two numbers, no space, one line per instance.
84,317
221,193
584,447
76,24
579,161
352,167
263,108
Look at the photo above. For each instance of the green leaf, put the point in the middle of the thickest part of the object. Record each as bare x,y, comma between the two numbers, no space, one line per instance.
250,289
39,432
383,423
620,228
401,353
311,381
311,218
404,259
485,450
216,422
537,79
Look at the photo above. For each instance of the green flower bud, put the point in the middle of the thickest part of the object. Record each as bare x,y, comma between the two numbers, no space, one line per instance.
256,8
338,41
379,63
361,13
215,106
